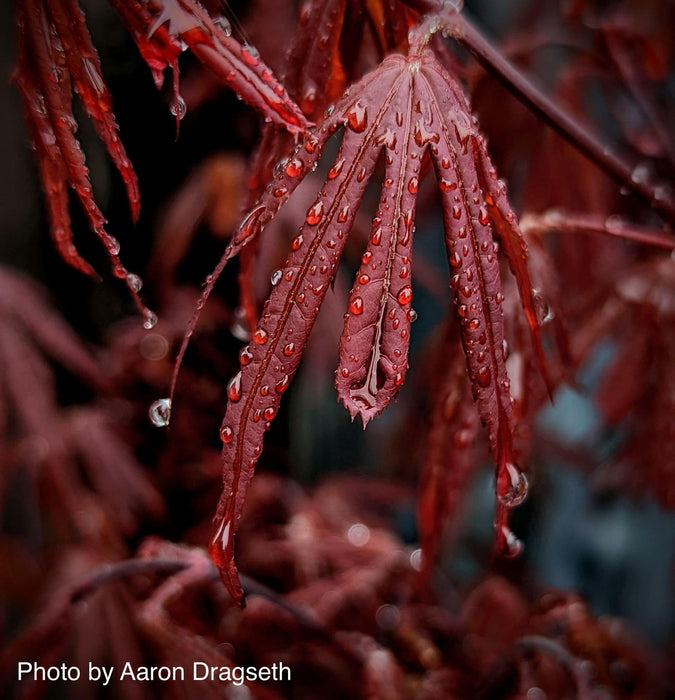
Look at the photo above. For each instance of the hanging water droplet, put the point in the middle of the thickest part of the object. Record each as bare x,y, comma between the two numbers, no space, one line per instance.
509,545
542,308
160,413
135,282
150,320
178,107
245,356
356,306
412,315
512,486
113,245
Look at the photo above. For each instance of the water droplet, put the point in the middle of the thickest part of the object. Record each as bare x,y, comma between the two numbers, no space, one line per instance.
289,349
509,545
376,237
224,25
412,315
456,212
234,387
343,214
357,117
269,413
297,242
455,259
150,320
226,434
135,282
294,167
356,306
276,277
405,295
413,185
542,308
447,185
249,54
366,257
364,279
260,336
160,413
388,617
249,225
178,107
512,486
282,384
640,174
483,216
336,169
113,245
484,376
314,214
358,534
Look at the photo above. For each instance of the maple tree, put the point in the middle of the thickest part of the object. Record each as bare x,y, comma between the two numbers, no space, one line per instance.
367,99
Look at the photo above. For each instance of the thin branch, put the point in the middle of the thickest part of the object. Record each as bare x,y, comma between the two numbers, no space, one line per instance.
610,226
462,29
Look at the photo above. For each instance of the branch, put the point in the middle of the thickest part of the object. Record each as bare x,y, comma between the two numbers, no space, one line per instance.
563,222
445,17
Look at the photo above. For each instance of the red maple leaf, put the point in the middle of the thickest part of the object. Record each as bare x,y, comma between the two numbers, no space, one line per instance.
409,110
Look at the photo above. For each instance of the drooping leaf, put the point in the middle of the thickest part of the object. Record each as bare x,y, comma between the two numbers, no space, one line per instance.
159,32
56,55
408,107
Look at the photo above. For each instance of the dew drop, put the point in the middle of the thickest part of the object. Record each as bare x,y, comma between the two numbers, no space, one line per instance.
135,282
366,257
542,308
260,336
226,434
512,486
224,25
356,306
357,117
289,349
269,413
178,108
160,413
113,246
336,169
509,545
455,260
412,315
405,295
413,185
294,167
314,214
343,214
484,376
297,242
234,388
364,279
150,320
456,212
376,236
483,216
282,384
276,277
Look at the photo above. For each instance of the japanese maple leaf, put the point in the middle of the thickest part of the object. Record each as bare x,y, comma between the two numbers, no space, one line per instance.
57,56
407,110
